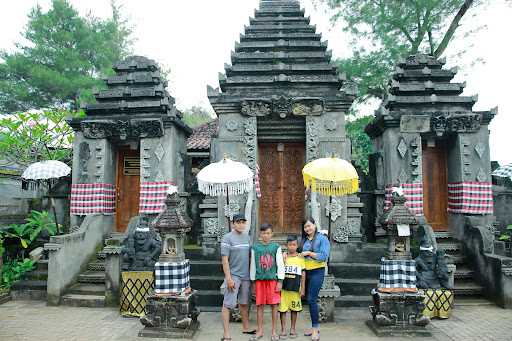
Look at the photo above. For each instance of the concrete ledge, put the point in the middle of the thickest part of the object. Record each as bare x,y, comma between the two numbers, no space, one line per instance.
398,331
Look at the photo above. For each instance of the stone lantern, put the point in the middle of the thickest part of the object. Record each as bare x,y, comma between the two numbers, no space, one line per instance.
171,311
398,221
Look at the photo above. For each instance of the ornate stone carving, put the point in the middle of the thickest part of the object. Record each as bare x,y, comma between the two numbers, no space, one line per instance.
282,106
334,209
507,270
122,129
460,123
250,142
231,125
312,139
481,176
331,124
84,156
212,227
354,226
159,152
141,248
231,209
341,233
480,149
402,148
402,177
255,108
308,107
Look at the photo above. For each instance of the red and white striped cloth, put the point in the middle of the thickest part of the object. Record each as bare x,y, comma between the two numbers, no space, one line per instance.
152,196
412,192
470,197
98,198
257,182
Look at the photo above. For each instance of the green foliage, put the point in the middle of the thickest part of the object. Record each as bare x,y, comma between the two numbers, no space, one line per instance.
361,142
13,270
36,136
385,31
36,223
196,116
506,236
63,58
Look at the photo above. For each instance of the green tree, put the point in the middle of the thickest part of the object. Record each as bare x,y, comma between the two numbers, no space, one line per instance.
196,116
36,136
361,143
384,31
63,58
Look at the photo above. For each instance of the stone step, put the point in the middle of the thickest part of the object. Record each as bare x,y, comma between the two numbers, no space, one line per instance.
467,288
92,277
205,267
29,285
443,235
463,272
206,282
210,298
450,246
90,301
28,289
350,301
96,266
356,286
42,264
36,275
87,289
457,259
367,254
462,301
355,270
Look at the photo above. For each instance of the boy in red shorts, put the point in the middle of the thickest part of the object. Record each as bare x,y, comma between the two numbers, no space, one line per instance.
267,269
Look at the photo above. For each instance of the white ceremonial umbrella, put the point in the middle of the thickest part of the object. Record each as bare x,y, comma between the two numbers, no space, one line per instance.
504,171
47,170
225,178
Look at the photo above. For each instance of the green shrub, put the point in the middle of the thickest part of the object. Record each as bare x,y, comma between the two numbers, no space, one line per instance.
506,236
13,270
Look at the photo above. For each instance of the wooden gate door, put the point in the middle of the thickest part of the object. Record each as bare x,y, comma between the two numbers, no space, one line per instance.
282,191
435,186
127,187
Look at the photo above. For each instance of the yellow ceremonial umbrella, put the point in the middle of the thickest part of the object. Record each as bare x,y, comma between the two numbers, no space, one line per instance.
331,177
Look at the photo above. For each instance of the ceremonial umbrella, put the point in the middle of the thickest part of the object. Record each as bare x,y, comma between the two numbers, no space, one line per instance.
225,178
47,170
504,171
331,177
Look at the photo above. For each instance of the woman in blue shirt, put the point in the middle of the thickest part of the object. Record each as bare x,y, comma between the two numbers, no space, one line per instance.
315,250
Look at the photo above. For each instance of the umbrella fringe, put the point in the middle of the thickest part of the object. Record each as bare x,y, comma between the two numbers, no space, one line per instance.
327,188
232,188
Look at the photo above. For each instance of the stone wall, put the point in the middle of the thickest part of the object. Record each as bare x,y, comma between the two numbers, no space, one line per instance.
502,203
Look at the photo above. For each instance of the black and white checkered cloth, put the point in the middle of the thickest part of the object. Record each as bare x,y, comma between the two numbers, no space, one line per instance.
504,171
397,274
172,277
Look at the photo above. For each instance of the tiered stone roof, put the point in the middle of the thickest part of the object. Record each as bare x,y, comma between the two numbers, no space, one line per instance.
137,90
202,136
421,86
280,54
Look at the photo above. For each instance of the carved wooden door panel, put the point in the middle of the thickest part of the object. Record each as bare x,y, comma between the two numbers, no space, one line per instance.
282,200
435,186
127,187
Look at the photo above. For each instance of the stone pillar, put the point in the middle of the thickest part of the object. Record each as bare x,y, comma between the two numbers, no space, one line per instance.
327,298
112,273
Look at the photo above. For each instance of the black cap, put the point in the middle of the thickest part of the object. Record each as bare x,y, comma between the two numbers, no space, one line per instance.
238,217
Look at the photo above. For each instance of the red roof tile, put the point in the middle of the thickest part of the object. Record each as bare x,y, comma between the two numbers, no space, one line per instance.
202,135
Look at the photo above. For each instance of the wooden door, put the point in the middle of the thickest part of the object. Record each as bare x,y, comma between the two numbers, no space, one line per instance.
282,190
435,186
127,187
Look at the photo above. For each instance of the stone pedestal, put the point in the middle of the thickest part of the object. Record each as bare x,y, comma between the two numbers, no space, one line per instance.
112,274
171,316
398,314
327,299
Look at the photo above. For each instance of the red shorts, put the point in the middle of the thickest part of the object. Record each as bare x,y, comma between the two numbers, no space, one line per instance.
266,292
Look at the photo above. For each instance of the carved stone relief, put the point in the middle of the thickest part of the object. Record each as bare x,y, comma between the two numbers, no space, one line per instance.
231,209
480,149
334,209
122,129
461,123
84,156
255,108
308,107
231,125
312,139
250,142
282,106
330,124
402,148
341,233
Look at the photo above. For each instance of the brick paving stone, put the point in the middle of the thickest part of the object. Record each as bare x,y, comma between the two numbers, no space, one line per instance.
33,320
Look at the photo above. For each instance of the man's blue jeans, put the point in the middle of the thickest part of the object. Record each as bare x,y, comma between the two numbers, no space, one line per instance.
314,281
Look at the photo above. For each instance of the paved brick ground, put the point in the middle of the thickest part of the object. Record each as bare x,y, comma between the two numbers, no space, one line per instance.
33,320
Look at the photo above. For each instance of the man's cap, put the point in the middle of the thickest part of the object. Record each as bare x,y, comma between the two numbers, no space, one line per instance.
238,217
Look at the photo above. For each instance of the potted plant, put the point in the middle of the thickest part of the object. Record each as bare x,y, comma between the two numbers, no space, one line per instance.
506,236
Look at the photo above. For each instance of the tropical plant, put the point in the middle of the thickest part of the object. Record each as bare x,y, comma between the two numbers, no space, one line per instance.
506,236
36,223
361,143
27,137
13,270
196,116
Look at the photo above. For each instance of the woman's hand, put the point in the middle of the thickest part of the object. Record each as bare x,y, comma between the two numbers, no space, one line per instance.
306,253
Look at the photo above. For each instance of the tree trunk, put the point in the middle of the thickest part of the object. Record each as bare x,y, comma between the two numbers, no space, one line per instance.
453,26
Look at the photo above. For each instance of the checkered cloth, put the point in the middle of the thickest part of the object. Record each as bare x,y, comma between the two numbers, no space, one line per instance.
504,171
96,198
397,275
470,197
172,277
50,169
412,192
152,196
257,182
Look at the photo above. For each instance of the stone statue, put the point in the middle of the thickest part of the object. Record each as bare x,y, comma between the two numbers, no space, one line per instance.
431,268
141,247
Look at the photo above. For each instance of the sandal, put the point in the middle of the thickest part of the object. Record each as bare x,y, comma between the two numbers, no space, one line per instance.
250,332
255,338
283,336
293,335
225,339
274,338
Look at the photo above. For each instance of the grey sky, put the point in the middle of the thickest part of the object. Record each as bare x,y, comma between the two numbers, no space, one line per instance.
194,38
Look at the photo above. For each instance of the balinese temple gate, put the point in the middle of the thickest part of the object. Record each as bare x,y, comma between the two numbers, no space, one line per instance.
281,103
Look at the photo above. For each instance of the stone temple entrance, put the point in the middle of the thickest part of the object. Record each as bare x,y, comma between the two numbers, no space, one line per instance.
282,192
127,186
